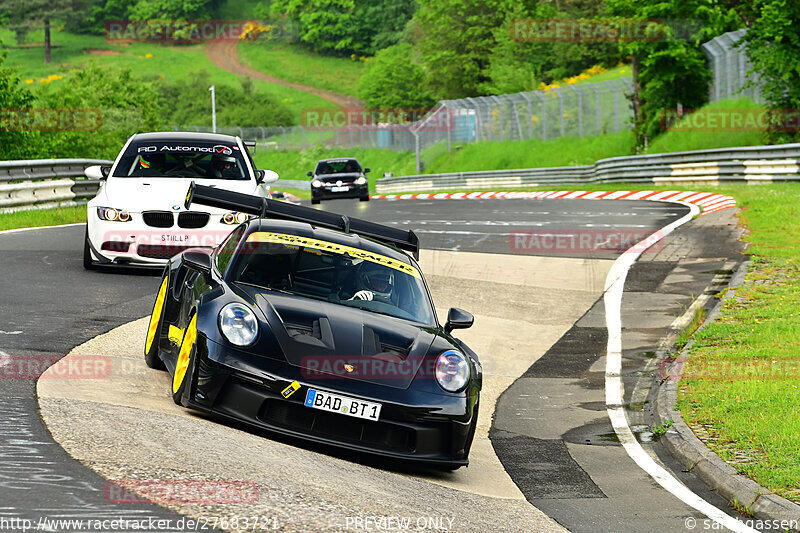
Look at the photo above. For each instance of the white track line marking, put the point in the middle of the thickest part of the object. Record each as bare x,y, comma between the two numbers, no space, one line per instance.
20,230
615,282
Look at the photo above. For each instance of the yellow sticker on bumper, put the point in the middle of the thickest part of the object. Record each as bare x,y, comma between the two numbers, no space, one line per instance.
175,335
291,389
315,244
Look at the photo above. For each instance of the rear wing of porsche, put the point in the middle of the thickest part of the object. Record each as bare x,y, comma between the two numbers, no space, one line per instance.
256,205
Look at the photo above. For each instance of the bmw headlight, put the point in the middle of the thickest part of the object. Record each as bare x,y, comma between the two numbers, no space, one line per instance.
234,218
113,215
361,181
239,324
452,371
316,183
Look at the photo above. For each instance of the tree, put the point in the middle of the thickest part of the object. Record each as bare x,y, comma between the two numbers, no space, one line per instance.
393,79
773,45
669,69
347,26
27,15
173,9
455,39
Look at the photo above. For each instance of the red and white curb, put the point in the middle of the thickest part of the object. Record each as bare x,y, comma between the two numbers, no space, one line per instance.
709,202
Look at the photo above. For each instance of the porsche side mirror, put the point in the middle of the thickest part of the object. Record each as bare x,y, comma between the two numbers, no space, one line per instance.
96,172
458,319
309,173
266,176
199,261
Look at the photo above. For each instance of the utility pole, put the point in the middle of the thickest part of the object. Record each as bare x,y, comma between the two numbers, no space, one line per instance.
213,110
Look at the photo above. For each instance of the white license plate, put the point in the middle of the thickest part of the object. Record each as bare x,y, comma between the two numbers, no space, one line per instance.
335,403
340,189
175,238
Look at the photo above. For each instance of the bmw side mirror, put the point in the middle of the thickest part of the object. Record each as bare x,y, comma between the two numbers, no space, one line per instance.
266,176
199,261
309,173
96,172
458,319
367,170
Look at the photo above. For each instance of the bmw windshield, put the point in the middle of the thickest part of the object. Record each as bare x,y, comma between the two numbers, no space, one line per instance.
191,159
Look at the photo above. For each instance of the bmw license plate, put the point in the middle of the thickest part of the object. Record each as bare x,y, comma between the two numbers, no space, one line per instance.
340,189
342,404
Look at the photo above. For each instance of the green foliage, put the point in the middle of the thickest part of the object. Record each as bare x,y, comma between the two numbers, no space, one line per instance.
773,44
15,144
126,105
172,9
394,68
455,39
187,101
347,26
670,68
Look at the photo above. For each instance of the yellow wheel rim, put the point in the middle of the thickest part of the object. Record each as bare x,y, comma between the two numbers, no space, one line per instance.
183,357
155,318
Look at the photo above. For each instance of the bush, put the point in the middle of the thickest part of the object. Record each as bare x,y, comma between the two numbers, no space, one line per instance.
127,105
392,79
188,102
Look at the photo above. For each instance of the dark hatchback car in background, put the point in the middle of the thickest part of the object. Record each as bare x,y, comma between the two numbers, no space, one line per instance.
339,178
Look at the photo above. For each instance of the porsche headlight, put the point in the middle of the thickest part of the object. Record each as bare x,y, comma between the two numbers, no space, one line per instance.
238,324
361,181
452,371
316,183
234,218
113,215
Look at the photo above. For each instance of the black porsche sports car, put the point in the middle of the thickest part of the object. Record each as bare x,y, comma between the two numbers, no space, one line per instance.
317,326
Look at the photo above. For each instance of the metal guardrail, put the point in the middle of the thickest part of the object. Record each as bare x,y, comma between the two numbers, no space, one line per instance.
46,182
43,183
745,164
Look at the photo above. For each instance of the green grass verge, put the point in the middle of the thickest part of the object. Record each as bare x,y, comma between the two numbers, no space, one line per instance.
296,64
741,383
43,217
168,62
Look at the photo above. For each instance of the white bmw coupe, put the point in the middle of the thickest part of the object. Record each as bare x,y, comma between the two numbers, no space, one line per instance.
138,218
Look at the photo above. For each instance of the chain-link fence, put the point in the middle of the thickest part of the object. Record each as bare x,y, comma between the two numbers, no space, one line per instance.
730,67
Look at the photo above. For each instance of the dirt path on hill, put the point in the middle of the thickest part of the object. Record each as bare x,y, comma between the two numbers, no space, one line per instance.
223,54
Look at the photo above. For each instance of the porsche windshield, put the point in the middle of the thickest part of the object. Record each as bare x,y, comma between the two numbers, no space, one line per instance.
334,273
194,159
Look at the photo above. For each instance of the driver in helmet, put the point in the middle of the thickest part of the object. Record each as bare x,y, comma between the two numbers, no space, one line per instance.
221,165
375,282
